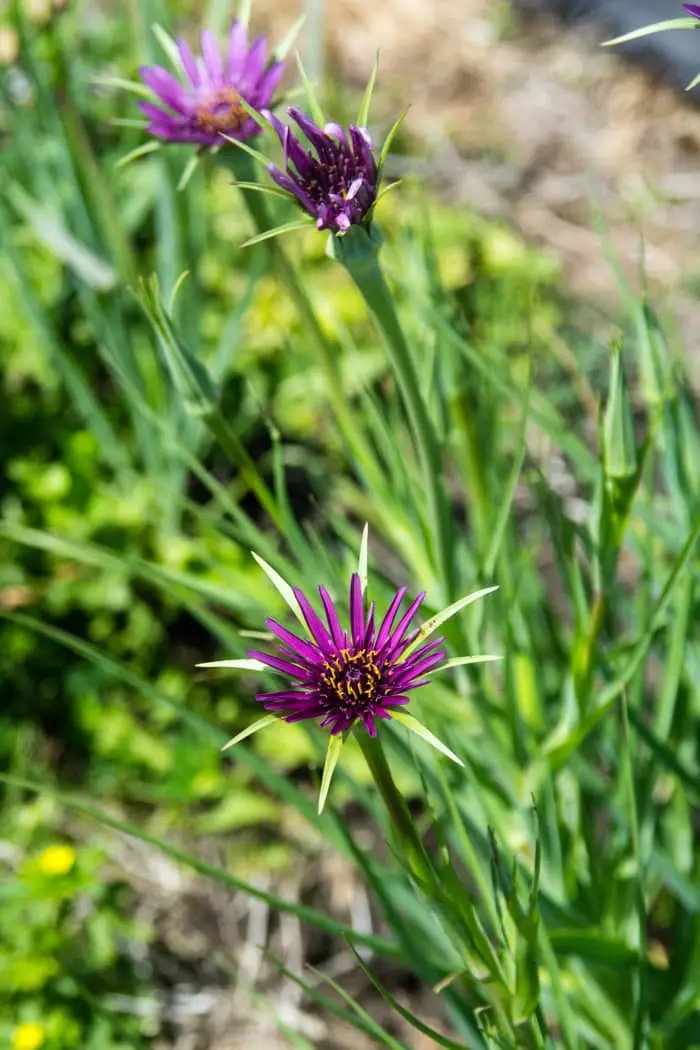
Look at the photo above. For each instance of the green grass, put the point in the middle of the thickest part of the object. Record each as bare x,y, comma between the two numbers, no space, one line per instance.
150,448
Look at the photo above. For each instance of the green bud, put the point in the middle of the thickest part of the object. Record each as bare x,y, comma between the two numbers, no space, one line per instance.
619,445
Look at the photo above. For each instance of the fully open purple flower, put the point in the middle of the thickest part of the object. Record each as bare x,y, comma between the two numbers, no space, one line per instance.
692,9
206,104
346,676
336,180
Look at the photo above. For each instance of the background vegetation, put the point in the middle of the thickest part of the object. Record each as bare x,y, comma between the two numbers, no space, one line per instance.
574,479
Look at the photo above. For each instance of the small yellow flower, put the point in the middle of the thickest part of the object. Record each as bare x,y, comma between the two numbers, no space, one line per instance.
28,1037
56,860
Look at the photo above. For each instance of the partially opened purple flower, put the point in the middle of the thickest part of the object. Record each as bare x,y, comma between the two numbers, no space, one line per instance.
355,675
206,103
692,9
336,180
348,676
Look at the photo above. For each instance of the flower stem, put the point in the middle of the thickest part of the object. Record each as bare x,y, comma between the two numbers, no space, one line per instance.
397,809
244,170
361,260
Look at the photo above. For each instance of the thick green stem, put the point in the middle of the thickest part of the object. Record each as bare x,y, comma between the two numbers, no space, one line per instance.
362,263
398,811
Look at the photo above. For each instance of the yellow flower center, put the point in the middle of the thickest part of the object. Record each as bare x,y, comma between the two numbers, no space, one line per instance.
221,111
352,677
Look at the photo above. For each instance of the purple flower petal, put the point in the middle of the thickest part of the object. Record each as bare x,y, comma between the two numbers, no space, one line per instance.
189,62
357,619
167,87
212,58
285,666
389,617
254,64
305,650
269,82
318,631
332,617
398,633
237,50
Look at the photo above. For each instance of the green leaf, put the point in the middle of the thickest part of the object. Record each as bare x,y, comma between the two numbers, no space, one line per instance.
419,729
431,625
335,746
657,27
135,87
261,723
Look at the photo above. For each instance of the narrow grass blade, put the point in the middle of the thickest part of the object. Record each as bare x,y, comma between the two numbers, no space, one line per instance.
261,723
53,235
335,746
415,1022
416,727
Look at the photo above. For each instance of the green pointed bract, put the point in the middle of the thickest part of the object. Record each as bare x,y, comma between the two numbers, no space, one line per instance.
168,44
135,87
388,141
657,27
176,291
411,723
314,105
188,171
261,723
238,665
462,661
362,560
335,746
693,83
140,151
431,625
281,585
619,443
254,153
288,39
277,231
259,187
244,12
363,115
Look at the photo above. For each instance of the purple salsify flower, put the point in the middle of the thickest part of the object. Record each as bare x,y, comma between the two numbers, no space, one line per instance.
207,103
337,184
692,9
346,676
